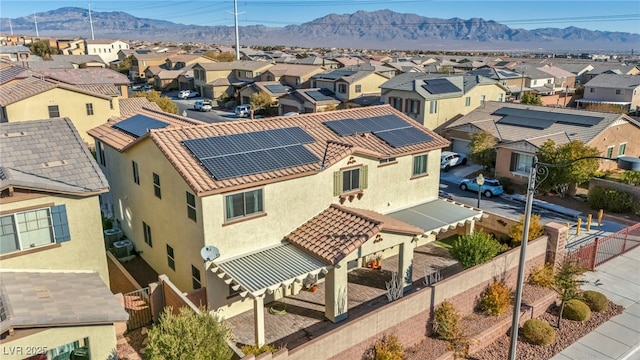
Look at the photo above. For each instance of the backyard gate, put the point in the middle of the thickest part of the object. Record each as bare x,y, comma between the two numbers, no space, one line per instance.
605,249
138,305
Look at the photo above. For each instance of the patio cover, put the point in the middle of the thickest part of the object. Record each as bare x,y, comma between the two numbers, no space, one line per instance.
268,269
603,102
437,216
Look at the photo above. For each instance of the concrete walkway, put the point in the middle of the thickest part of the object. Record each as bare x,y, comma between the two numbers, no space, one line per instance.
618,338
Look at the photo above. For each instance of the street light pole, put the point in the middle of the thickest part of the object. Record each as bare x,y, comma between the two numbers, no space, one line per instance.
480,181
537,174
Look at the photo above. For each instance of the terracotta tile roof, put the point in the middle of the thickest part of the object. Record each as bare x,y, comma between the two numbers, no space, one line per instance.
121,140
293,69
169,140
10,72
338,231
134,104
25,88
85,76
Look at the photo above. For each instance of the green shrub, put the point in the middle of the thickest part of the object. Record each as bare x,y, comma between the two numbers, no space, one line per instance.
596,301
446,321
542,276
388,348
474,249
576,310
538,332
495,299
257,350
610,200
535,229
631,177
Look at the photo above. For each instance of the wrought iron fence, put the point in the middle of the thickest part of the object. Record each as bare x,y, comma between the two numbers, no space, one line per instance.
602,250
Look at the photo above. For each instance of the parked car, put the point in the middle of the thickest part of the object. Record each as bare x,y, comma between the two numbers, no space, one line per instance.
186,94
449,159
146,88
243,110
491,187
202,105
444,195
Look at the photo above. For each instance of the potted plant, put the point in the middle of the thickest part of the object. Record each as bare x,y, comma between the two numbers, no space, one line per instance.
313,288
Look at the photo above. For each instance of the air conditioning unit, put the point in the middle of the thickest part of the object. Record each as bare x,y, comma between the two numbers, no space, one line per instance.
122,249
111,236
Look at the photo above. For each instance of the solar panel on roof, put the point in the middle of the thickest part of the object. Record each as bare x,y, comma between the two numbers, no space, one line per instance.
139,125
229,156
527,122
440,86
403,136
508,74
320,95
348,127
554,117
276,88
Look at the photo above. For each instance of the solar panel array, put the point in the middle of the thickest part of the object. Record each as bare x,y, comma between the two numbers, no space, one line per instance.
321,95
334,75
544,119
139,125
276,88
508,74
234,155
389,128
440,86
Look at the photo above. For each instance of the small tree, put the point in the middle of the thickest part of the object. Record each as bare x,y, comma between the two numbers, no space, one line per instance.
531,99
188,336
164,103
535,229
42,48
482,149
560,178
221,57
473,249
261,100
567,283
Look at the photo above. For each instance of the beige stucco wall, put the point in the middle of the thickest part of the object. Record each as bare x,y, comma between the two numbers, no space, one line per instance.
102,341
609,94
85,250
71,104
616,134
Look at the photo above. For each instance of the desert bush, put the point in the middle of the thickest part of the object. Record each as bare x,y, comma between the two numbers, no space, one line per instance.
257,350
446,321
542,276
535,229
576,310
538,332
474,249
495,299
387,348
596,301
610,200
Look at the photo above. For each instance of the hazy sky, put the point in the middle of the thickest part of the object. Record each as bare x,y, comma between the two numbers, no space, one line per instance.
526,14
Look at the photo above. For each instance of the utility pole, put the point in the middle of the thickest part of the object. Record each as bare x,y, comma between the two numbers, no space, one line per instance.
35,20
10,27
91,23
235,14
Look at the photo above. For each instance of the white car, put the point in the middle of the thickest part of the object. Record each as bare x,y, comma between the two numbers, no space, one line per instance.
449,159
243,110
185,94
202,105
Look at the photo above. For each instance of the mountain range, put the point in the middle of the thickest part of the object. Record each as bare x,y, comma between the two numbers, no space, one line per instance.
383,29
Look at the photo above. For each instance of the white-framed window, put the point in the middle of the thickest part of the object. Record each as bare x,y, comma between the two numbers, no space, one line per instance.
350,180
622,149
195,277
433,107
89,107
610,152
419,165
413,106
146,230
483,99
171,260
520,163
592,90
358,88
501,97
467,101
54,111
244,204
191,207
136,172
156,186
33,228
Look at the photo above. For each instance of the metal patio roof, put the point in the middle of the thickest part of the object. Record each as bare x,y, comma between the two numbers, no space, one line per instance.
268,269
437,216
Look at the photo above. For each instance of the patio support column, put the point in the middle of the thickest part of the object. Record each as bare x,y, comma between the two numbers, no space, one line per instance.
405,261
335,295
470,225
258,319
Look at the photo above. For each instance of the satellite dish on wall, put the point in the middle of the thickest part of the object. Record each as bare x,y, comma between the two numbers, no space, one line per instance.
209,253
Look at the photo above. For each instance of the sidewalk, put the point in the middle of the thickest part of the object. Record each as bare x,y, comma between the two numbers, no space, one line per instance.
618,338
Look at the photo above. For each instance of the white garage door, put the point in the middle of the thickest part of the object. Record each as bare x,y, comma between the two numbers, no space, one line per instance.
460,145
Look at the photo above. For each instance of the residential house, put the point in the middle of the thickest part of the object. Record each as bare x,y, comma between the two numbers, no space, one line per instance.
273,88
180,61
53,268
349,84
106,49
71,46
215,80
367,169
167,80
616,69
513,81
540,82
16,53
141,60
34,98
522,129
296,76
577,68
308,101
310,60
618,91
81,61
104,81
433,100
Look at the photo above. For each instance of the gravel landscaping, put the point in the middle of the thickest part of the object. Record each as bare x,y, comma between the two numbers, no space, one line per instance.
569,332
